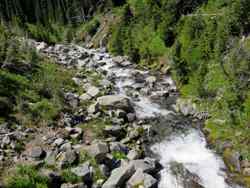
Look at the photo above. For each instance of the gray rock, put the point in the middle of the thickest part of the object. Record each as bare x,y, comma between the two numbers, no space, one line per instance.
98,151
72,99
58,142
118,59
50,158
147,165
66,146
151,80
133,155
115,102
131,117
93,109
84,171
85,97
104,170
116,131
93,91
37,153
6,140
140,178
67,159
118,147
119,176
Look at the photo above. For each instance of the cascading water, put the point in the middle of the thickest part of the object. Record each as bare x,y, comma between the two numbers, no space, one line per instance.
187,149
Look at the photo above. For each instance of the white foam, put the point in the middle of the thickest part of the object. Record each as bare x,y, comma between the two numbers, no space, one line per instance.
191,151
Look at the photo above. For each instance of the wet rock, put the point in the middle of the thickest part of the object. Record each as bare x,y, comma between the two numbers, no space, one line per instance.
118,59
151,80
84,171
140,178
98,151
37,153
119,176
115,102
147,165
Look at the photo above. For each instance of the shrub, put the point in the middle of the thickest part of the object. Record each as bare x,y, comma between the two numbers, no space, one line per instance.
26,177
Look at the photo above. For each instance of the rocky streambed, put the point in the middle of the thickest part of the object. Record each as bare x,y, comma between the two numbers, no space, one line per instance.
153,138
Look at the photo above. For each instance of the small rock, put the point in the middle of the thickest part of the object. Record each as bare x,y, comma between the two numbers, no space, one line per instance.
69,185
131,117
85,97
58,142
118,147
93,109
37,153
151,80
93,91
6,140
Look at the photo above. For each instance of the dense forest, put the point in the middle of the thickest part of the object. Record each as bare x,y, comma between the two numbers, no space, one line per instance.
204,43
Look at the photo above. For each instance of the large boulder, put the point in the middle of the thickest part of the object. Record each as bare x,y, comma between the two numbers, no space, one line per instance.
140,178
115,102
119,176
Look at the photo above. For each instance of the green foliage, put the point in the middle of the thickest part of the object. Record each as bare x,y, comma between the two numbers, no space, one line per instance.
119,155
70,177
26,177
